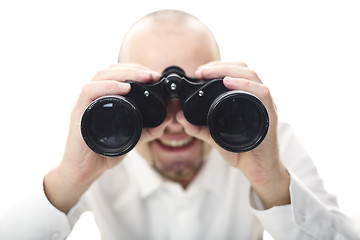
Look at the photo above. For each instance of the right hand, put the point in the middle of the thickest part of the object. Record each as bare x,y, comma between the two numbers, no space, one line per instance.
80,166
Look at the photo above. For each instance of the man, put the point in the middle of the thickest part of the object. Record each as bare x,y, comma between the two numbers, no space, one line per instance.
179,184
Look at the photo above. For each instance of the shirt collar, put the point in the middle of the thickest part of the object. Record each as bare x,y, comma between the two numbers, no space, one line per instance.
211,177
142,173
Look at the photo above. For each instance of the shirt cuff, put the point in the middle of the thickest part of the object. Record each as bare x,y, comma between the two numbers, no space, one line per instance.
34,218
307,216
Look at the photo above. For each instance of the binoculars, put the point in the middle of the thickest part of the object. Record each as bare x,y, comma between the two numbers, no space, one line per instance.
238,121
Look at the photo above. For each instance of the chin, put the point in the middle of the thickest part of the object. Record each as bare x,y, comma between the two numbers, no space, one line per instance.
180,171
177,161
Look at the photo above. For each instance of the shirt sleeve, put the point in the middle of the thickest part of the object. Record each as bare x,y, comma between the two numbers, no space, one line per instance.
34,218
313,212
307,217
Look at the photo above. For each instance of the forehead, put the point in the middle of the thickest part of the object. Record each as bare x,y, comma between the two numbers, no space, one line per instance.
159,44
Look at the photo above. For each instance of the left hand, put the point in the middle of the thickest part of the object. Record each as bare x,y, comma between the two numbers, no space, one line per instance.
261,165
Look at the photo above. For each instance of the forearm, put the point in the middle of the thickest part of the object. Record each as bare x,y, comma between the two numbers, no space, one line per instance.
61,192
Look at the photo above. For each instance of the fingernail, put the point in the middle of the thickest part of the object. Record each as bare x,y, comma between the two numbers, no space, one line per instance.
125,86
145,74
198,73
227,80
155,75
204,66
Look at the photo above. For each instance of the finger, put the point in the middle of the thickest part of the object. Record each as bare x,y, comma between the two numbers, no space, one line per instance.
218,63
221,71
156,75
255,88
133,65
122,74
94,90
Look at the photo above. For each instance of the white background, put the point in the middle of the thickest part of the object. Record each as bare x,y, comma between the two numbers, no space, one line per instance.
307,52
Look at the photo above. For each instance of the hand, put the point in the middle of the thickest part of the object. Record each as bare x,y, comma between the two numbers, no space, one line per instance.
261,165
80,166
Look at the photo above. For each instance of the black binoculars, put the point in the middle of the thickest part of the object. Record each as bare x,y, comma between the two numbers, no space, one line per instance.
238,121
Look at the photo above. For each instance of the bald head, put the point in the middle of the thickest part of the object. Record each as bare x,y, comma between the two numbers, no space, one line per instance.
169,37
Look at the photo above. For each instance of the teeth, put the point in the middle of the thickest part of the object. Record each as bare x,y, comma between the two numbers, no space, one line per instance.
176,143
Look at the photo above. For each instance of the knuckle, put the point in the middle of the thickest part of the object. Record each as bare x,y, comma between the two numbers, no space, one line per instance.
247,83
242,64
86,89
100,75
113,65
253,74
265,92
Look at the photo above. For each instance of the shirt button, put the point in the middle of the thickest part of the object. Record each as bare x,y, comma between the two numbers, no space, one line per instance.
303,216
55,235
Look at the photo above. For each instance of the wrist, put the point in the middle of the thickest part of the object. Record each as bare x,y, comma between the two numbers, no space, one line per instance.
62,193
275,190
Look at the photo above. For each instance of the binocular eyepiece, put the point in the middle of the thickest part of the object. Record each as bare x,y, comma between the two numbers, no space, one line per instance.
238,121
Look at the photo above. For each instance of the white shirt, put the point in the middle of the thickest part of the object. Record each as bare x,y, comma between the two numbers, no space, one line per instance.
131,201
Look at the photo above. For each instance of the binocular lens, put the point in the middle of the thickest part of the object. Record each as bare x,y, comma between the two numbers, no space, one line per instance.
111,126
238,121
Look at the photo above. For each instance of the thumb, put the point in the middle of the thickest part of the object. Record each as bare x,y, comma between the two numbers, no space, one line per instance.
149,134
200,132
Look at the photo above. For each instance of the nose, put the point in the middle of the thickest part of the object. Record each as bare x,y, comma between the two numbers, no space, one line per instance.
173,107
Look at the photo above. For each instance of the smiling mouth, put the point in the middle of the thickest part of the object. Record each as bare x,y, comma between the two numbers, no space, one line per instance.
176,143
